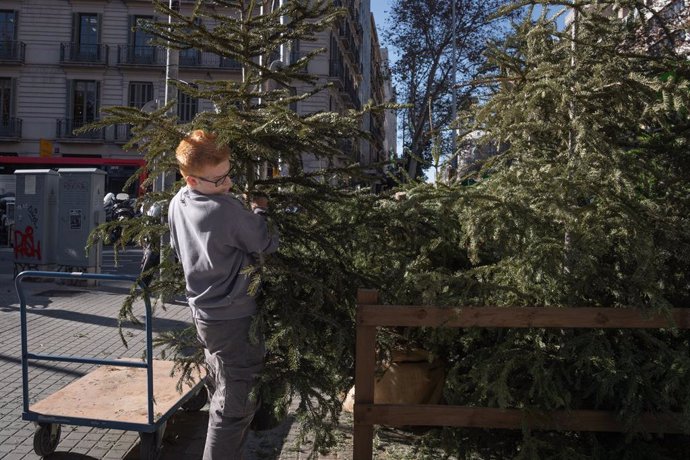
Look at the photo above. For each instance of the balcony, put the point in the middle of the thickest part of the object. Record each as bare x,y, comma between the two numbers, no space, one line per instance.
336,72
296,56
375,124
131,55
65,131
194,59
350,96
230,63
119,134
84,54
349,47
12,52
10,129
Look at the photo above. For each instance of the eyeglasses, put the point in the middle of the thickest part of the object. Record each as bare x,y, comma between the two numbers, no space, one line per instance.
220,180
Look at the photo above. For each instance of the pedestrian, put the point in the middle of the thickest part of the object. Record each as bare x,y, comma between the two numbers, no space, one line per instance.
151,257
217,240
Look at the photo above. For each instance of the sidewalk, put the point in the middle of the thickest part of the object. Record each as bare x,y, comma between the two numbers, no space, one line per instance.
81,321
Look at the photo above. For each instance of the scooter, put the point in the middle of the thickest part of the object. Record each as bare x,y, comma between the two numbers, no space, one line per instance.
122,209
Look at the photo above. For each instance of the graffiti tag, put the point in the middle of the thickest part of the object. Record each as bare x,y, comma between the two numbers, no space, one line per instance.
24,244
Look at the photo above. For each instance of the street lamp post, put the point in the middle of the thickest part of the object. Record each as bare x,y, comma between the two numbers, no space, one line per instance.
172,60
172,67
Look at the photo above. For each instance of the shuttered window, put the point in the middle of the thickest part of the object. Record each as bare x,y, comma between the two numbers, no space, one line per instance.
5,100
141,51
8,34
140,92
187,107
87,33
84,103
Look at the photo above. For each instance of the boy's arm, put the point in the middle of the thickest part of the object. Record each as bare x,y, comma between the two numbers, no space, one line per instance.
255,236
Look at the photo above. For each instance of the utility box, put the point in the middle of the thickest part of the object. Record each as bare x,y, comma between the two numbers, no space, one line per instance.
35,227
80,210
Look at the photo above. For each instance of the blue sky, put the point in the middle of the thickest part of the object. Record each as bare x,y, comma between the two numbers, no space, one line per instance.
380,9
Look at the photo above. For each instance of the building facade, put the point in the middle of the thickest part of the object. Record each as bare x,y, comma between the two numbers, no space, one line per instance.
62,61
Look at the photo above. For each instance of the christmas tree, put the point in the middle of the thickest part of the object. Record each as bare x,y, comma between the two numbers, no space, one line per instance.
306,291
585,205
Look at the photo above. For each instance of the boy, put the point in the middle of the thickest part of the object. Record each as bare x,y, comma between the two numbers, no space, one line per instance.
216,238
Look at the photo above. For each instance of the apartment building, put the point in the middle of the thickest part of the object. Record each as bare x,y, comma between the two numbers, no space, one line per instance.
62,61
675,31
357,67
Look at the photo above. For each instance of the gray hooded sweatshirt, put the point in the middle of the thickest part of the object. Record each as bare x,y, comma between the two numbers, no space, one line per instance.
216,238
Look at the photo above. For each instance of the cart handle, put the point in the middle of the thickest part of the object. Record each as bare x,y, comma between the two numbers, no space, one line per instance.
26,356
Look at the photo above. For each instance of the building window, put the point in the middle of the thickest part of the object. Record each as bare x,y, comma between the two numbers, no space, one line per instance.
140,92
8,23
140,49
187,107
191,56
6,106
8,33
86,37
84,102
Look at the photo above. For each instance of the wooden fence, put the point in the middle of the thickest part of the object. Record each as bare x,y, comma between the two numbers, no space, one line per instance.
371,315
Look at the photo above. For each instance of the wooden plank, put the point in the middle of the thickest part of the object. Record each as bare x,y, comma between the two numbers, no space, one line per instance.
363,436
365,365
519,317
482,417
367,296
114,393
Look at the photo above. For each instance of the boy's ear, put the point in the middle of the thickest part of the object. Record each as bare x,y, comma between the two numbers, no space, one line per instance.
191,181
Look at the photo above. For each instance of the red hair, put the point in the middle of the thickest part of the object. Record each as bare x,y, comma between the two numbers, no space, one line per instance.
199,150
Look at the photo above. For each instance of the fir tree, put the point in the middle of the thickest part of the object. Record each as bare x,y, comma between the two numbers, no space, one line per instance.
585,206
307,290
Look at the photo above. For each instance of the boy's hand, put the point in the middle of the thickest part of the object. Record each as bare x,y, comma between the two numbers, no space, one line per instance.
259,201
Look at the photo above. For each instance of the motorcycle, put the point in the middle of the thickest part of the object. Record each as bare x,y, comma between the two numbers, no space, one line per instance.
119,208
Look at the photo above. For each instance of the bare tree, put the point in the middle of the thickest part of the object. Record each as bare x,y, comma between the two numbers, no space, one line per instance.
422,31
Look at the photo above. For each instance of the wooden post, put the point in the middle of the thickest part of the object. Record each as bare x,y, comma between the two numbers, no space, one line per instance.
365,365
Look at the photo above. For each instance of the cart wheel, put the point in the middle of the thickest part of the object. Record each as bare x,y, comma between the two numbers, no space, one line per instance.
150,444
196,402
46,438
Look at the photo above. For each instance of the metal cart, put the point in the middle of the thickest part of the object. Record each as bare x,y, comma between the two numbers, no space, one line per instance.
110,396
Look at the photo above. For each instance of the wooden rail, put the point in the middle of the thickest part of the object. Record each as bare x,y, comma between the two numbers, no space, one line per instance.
371,315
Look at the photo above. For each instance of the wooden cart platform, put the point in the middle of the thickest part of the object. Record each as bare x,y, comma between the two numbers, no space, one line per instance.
116,394
123,394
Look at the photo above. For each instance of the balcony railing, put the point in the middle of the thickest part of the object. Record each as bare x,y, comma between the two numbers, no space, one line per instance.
196,58
335,68
230,63
375,128
119,134
156,56
66,126
140,55
10,128
12,51
296,56
83,53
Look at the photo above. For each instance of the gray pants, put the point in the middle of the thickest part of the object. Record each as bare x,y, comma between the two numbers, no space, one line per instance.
234,364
